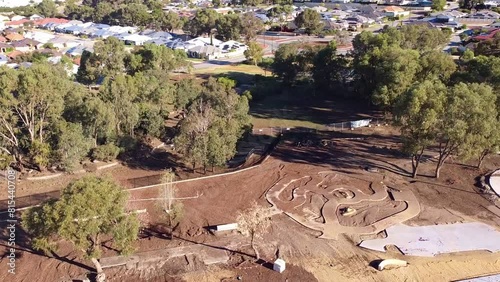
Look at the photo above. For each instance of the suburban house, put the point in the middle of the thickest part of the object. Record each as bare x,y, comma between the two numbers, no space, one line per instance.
5,48
3,59
61,42
395,12
208,52
26,45
487,35
78,50
134,39
3,39
485,15
39,36
14,37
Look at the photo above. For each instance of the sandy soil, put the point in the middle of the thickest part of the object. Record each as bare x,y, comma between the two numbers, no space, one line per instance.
452,198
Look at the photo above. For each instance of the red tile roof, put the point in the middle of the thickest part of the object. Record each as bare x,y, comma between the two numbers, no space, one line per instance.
487,36
14,37
17,23
50,20
3,39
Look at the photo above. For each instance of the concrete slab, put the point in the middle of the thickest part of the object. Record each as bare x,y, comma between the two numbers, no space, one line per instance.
428,241
489,278
495,181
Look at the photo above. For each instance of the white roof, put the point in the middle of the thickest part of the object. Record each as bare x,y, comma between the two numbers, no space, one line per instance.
39,36
136,38
201,41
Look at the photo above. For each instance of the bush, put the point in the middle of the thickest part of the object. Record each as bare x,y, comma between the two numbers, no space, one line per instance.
105,153
127,143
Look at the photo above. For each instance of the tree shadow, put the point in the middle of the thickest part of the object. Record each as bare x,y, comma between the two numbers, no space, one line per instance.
213,246
23,245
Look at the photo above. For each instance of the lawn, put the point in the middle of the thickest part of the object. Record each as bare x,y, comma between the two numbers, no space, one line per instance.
242,73
304,109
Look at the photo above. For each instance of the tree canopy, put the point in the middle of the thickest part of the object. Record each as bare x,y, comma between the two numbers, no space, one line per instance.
89,211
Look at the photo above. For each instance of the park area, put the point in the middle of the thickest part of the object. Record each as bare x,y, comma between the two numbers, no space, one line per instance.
329,191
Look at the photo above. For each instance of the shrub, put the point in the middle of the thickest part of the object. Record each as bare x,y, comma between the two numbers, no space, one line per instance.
105,153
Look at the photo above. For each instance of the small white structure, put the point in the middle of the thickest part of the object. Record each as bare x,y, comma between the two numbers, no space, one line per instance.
391,263
279,265
226,227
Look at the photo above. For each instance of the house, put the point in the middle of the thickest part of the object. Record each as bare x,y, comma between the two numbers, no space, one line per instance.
208,52
26,45
3,39
17,18
451,13
35,17
395,12
202,41
320,9
357,19
12,55
339,14
5,48
61,42
17,23
12,37
43,37
53,21
487,35
3,59
336,24
485,15
160,35
135,39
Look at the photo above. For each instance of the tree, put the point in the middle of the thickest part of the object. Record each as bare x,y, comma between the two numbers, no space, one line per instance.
152,57
204,22
72,145
394,72
47,8
229,27
170,21
418,112
464,120
436,64
422,37
120,93
438,5
88,210
217,110
102,12
250,26
284,66
310,20
482,136
331,71
490,47
251,2
186,91
254,53
253,222
110,53
469,4
280,13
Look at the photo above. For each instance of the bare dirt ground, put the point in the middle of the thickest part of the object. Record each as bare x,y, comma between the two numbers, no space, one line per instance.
450,199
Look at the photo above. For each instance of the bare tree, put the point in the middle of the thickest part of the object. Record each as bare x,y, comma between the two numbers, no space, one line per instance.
253,222
168,192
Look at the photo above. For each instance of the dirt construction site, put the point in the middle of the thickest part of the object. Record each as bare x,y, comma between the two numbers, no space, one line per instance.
329,193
